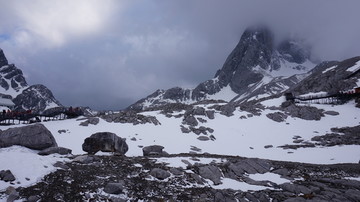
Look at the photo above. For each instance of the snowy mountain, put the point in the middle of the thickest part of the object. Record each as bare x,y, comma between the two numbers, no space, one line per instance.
14,86
237,137
256,68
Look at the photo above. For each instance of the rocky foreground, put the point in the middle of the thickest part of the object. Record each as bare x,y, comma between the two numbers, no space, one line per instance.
120,178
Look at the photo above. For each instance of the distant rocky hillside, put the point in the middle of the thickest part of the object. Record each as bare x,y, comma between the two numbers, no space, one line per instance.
14,86
256,68
331,77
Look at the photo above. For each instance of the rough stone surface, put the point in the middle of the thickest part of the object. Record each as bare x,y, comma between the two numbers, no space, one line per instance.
277,116
6,176
105,142
154,150
159,173
203,138
114,188
33,136
212,173
53,150
304,112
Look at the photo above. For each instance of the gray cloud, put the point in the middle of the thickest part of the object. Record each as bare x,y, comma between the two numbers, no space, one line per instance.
107,54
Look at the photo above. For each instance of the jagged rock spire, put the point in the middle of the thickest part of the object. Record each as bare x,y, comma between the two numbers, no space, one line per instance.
3,60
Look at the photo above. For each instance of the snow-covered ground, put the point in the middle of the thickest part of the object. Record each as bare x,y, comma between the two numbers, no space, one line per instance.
234,136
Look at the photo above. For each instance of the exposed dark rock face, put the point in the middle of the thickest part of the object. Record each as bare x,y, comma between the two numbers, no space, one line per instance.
340,136
12,77
330,77
15,87
304,112
33,136
277,116
119,175
36,97
3,60
130,117
105,142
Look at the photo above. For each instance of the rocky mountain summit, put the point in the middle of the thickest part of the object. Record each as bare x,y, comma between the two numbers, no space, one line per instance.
13,85
257,67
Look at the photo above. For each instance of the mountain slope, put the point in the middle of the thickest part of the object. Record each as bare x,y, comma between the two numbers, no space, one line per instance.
13,86
256,67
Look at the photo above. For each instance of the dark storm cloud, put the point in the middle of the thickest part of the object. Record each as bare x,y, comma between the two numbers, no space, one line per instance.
107,54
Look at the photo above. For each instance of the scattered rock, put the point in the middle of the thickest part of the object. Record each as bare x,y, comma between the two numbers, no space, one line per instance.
268,146
35,136
277,116
212,173
53,150
159,173
304,112
61,165
176,171
130,116
33,198
190,120
203,138
227,109
133,139
62,131
210,114
90,120
193,148
6,176
84,159
154,150
331,113
114,188
184,129
105,142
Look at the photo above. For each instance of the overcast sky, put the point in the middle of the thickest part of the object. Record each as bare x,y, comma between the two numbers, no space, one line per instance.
107,54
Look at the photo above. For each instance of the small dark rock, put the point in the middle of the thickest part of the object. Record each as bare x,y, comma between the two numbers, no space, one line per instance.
6,176
203,138
268,146
114,188
159,173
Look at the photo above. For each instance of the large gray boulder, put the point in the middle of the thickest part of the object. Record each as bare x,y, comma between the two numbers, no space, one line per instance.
105,142
33,137
154,150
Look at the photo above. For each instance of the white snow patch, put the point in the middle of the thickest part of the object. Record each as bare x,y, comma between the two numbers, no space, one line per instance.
354,68
26,165
329,69
225,93
272,177
228,183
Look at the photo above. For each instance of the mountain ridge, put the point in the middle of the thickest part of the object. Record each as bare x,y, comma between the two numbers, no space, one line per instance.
255,66
13,86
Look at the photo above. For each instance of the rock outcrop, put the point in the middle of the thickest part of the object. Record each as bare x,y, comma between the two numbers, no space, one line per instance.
33,136
105,142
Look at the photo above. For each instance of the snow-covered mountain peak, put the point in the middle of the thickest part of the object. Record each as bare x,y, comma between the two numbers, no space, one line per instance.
13,86
256,67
